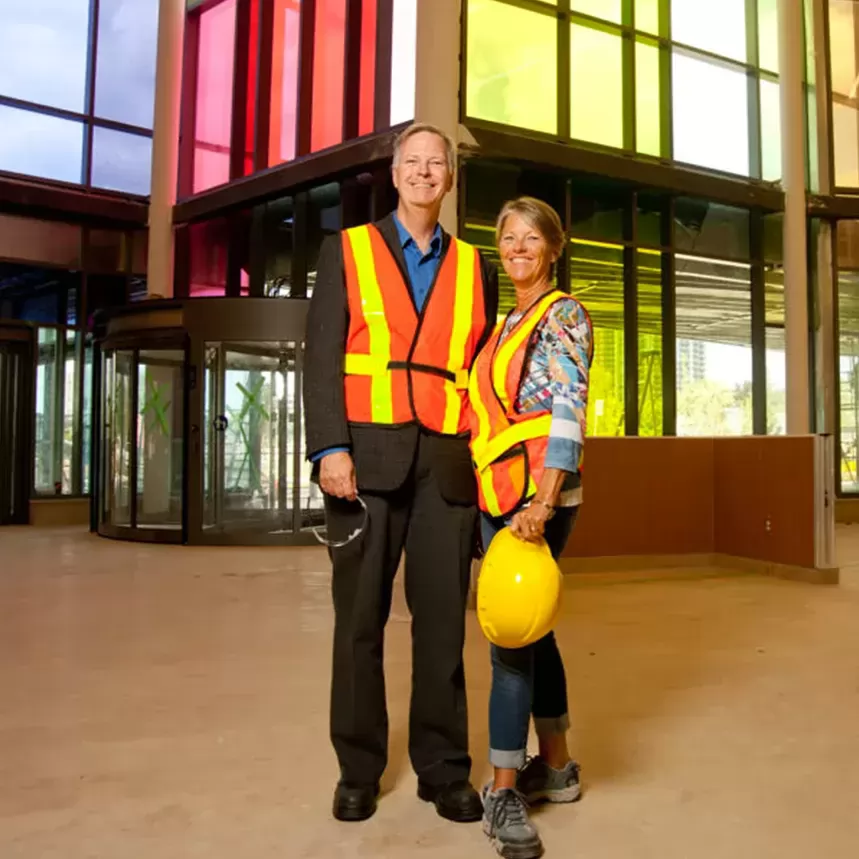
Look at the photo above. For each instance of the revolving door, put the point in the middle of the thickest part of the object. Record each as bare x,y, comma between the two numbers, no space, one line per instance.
202,436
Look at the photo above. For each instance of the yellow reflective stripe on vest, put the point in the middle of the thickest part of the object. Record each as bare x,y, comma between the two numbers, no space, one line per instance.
463,309
512,345
357,364
483,423
524,430
373,308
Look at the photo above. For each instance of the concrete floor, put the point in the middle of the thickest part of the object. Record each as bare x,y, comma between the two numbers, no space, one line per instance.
172,702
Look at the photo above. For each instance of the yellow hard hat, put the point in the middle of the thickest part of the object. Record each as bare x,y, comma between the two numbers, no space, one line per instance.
518,592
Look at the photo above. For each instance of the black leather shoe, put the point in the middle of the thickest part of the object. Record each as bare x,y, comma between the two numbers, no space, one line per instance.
353,802
457,801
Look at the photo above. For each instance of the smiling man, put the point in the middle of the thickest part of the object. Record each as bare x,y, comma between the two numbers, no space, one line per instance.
399,310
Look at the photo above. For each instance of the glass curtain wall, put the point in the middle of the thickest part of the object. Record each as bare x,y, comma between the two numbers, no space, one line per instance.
686,81
267,81
77,88
643,265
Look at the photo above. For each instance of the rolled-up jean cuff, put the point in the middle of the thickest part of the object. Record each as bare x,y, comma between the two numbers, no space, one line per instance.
507,760
549,727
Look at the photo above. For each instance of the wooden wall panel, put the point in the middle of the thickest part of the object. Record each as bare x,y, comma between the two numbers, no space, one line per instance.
764,499
645,496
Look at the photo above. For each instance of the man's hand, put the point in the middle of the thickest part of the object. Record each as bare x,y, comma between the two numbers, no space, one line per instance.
337,476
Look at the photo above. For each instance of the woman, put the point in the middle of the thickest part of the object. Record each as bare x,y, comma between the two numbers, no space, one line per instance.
528,396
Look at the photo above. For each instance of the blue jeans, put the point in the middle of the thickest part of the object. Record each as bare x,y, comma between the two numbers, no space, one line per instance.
529,680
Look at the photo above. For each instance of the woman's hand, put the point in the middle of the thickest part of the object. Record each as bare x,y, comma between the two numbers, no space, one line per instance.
530,522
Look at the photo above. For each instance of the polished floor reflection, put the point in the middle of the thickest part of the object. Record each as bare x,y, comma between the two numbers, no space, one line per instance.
166,701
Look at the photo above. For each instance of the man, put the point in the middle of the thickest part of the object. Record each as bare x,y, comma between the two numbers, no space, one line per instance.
398,313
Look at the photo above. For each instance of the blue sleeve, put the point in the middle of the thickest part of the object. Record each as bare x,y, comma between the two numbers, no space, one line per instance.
566,340
322,453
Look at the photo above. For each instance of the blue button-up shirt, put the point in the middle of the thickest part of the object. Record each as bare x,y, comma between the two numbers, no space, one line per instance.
421,268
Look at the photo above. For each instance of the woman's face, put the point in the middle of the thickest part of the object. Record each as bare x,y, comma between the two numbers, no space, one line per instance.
524,252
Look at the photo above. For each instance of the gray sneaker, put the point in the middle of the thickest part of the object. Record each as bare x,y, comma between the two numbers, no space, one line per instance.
506,823
538,782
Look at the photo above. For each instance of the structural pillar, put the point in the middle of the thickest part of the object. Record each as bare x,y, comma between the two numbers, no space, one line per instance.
165,146
437,80
792,62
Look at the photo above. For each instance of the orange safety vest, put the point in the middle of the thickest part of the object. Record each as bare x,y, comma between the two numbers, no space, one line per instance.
508,448
402,367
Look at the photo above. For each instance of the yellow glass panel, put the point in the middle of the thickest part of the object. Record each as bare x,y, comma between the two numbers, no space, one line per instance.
650,396
512,66
609,10
596,280
647,16
768,35
648,100
596,69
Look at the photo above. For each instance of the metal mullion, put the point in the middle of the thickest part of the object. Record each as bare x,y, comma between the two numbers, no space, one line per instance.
758,325
666,77
89,105
753,83
824,79
384,55
241,76
44,109
262,115
630,120
669,325
300,262
564,70
630,317
132,438
305,76
77,449
296,439
352,69
188,110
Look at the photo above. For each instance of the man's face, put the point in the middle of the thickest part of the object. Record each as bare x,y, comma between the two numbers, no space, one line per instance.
422,176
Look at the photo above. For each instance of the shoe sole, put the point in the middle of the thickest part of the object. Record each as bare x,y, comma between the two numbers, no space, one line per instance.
427,795
512,851
353,815
567,794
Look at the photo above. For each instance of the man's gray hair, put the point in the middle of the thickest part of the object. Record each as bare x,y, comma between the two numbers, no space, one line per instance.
425,128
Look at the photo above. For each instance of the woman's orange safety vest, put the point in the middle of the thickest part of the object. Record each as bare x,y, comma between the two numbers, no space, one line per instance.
508,448
402,367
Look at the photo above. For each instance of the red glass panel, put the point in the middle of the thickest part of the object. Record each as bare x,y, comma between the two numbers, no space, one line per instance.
329,62
250,112
208,249
367,103
214,95
283,119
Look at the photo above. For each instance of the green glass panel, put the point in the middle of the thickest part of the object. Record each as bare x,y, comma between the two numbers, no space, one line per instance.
596,279
716,27
770,131
813,150
768,35
650,396
512,66
810,70
596,69
648,100
647,16
608,10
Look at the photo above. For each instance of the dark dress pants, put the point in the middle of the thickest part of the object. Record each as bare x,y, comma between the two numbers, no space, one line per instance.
437,538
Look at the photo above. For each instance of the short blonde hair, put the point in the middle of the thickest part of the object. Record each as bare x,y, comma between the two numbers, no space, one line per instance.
425,128
537,214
